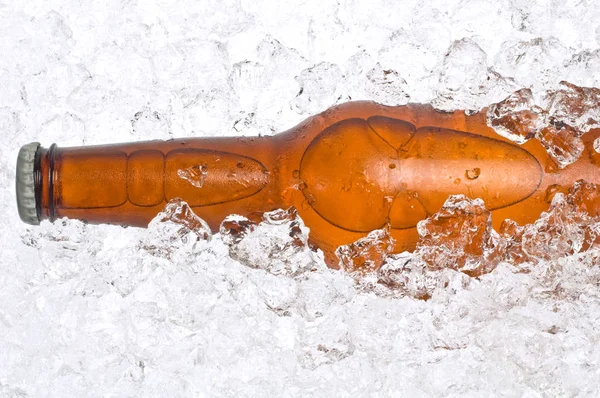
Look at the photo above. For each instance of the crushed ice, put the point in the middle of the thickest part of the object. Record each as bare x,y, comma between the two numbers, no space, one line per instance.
278,244
166,312
558,122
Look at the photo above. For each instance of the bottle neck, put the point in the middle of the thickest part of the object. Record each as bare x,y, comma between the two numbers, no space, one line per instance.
43,177
130,183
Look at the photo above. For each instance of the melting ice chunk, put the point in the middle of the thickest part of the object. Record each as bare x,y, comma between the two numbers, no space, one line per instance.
578,107
558,123
460,237
512,234
584,198
562,143
235,227
278,244
517,117
180,213
571,225
176,227
368,253
407,274
196,175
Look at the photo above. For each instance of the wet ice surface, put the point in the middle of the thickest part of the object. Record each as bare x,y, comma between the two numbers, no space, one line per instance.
167,311
195,175
368,253
558,123
278,244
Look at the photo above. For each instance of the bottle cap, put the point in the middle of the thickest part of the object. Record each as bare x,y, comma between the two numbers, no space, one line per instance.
25,184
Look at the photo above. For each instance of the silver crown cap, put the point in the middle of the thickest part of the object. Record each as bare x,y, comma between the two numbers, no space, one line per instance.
25,184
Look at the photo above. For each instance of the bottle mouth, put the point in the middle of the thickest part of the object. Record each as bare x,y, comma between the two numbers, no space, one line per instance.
26,185
30,183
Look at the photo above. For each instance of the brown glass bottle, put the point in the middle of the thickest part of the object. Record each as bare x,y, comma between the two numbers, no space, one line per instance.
349,170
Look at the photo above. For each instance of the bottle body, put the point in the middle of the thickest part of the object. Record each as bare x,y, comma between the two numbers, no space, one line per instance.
350,170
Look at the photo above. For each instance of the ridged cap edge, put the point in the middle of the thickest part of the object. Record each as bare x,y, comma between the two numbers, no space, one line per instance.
25,185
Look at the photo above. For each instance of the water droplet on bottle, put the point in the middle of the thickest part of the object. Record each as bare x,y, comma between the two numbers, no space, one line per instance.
196,175
473,173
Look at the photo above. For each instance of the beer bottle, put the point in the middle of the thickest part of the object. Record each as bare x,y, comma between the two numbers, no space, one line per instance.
352,169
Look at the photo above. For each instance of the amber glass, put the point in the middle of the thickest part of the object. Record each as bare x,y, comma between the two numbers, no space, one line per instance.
349,170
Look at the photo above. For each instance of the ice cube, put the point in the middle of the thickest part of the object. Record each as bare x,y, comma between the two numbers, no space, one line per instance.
386,86
558,122
278,244
368,253
235,227
562,143
407,274
512,234
517,117
195,175
570,226
578,107
460,237
175,227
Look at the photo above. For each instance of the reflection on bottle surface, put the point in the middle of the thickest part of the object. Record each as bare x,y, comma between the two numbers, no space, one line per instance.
350,170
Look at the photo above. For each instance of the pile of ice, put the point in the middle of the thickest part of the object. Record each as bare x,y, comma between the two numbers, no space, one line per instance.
252,310
559,123
177,311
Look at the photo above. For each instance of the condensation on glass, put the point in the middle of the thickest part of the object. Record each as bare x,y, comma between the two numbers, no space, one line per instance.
355,168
